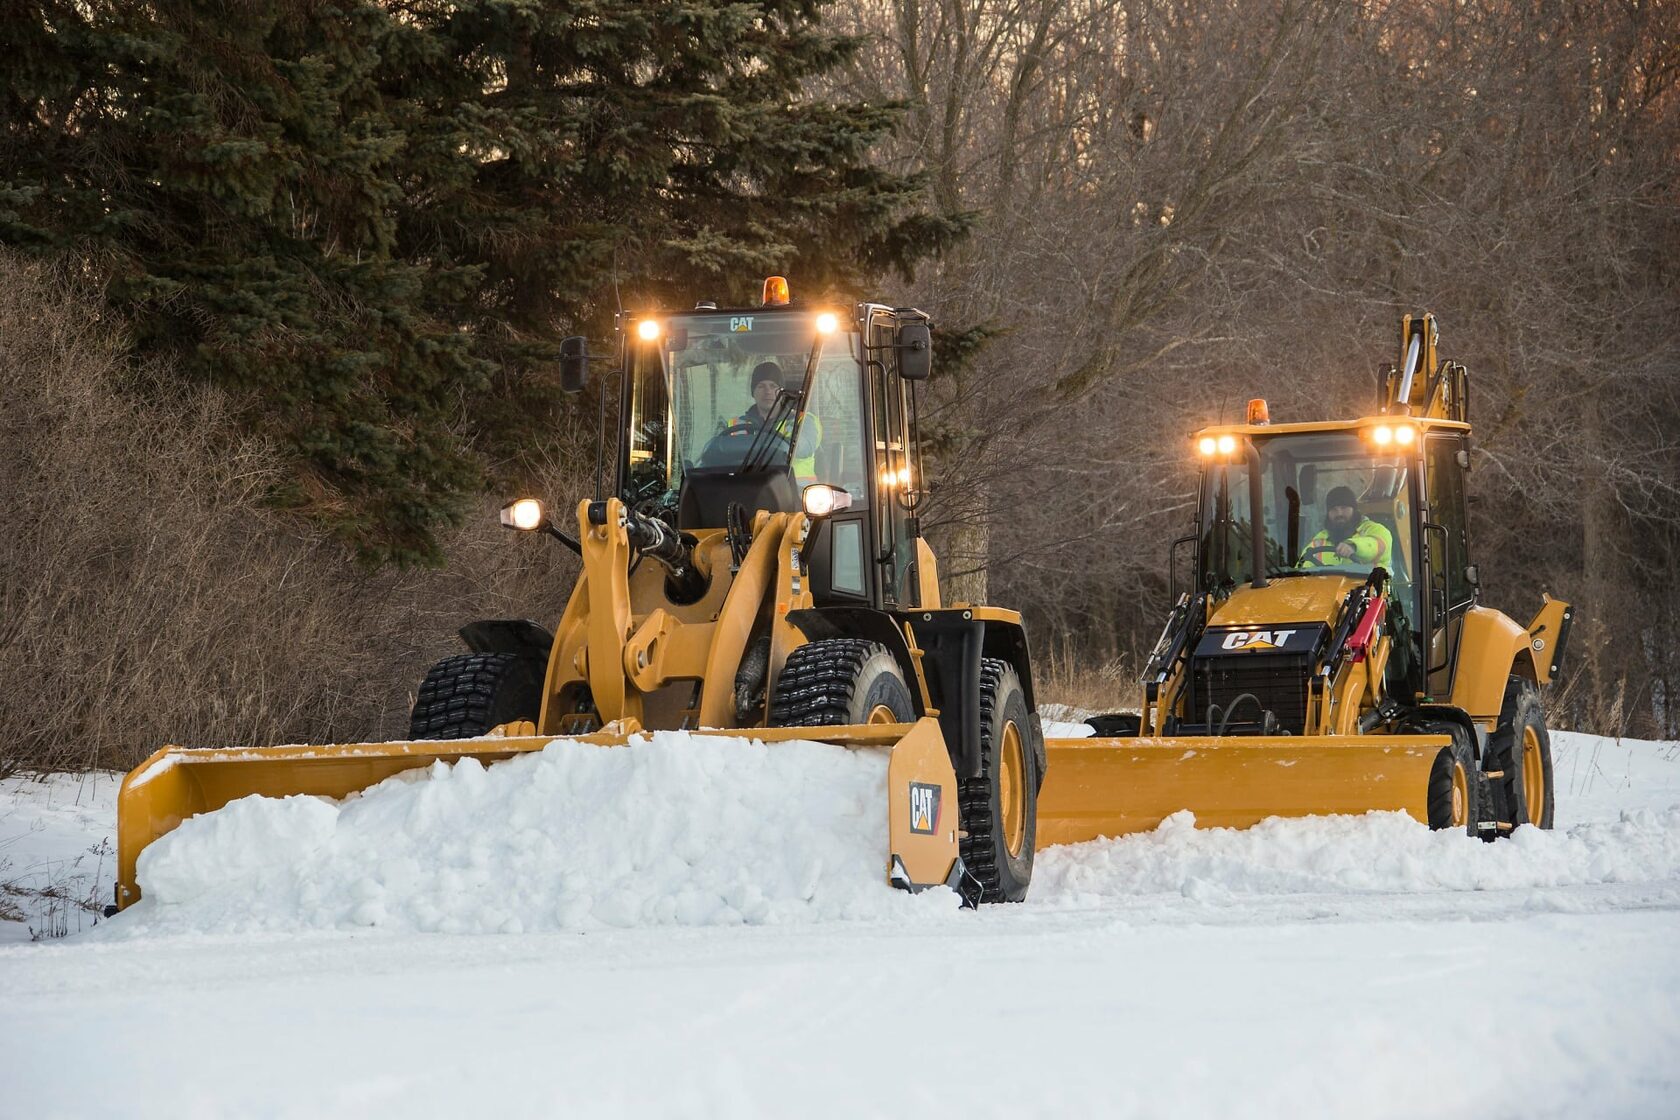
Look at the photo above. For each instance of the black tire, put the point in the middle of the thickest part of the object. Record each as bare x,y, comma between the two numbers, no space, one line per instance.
466,695
997,848
1116,725
1522,748
839,681
1454,767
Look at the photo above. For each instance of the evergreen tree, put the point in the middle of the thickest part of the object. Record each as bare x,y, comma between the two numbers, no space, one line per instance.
373,222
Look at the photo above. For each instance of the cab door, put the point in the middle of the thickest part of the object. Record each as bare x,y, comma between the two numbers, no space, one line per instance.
1447,591
894,521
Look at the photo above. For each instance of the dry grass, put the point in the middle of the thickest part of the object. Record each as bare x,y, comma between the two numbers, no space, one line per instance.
148,596
1095,684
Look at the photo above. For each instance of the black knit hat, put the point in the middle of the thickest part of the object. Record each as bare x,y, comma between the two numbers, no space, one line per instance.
767,371
1340,496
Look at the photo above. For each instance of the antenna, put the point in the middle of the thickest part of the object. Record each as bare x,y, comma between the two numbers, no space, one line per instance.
618,299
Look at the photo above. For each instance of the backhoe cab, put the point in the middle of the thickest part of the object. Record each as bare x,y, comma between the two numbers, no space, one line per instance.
1332,654
756,566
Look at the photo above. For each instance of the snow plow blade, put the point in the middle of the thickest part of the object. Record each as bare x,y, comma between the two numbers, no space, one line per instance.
176,783
1109,787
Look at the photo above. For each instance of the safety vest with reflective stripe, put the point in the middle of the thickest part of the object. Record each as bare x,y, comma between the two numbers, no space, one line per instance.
1372,543
810,438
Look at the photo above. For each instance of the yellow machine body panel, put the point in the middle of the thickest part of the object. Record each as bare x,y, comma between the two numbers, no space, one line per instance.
1285,602
1113,786
177,783
1491,648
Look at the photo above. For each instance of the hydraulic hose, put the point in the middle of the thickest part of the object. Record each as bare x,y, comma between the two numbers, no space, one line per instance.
1231,710
674,550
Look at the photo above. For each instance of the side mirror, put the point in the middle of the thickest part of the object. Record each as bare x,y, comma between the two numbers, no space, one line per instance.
1385,373
574,363
915,351
1473,575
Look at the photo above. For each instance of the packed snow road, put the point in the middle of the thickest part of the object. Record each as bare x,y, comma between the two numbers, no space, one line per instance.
282,968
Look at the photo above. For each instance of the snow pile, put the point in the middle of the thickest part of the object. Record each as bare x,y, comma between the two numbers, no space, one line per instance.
1063,721
691,831
672,830
1374,853
57,852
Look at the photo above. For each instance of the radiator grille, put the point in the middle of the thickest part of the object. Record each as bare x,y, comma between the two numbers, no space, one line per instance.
1278,679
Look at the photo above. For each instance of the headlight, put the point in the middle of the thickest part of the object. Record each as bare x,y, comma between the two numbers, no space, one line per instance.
648,329
828,322
1227,444
1382,435
1207,446
1405,434
822,499
525,514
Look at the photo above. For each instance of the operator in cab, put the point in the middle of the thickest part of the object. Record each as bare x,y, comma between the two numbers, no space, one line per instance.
1348,538
767,386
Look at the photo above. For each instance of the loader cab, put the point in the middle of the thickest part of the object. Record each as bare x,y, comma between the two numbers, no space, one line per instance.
707,438
1406,480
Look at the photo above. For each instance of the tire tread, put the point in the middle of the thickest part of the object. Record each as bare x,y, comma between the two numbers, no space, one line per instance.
458,696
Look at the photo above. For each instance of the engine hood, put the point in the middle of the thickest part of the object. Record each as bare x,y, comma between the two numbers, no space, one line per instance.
1297,599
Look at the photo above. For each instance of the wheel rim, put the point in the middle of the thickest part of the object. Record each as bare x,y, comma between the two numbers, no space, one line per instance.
1460,796
881,713
1534,776
1012,789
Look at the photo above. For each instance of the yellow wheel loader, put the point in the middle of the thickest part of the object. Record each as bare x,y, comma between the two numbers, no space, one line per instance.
756,569
1332,655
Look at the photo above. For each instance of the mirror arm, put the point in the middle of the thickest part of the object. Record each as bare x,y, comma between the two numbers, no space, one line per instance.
568,541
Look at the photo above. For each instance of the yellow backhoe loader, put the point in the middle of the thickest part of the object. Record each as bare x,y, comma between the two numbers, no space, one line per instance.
1331,655
757,567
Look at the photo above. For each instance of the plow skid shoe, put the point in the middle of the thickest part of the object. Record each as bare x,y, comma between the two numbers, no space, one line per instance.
1110,787
175,783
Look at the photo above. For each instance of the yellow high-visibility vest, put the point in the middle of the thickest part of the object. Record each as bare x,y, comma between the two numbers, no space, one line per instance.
1372,545
809,429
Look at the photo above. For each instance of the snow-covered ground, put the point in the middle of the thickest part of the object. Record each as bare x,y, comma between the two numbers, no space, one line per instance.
704,932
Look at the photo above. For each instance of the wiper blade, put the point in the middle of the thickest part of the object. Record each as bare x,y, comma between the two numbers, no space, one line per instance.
761,450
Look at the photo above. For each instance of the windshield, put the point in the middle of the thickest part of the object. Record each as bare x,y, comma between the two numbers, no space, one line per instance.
721,393
1330,506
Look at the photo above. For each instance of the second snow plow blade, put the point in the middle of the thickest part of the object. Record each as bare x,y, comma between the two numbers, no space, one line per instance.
1109,787
176,783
